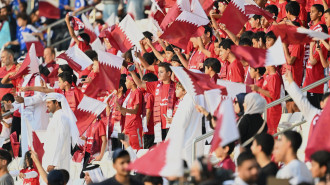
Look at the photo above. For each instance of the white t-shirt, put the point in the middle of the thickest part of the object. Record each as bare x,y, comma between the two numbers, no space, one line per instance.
296,171
5,133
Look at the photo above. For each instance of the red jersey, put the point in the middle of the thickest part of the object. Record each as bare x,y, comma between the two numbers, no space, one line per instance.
73,96
297,68
84,46
315,72
30,181
224,68
94,141
5,88
235,72
272,83
134,121
164,94
227,164
196,58
150,100
281,10
260,82
116,115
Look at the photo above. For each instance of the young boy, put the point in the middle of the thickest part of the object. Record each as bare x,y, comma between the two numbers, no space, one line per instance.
6,123
255,24
258,75
235,68
22,22
180,92
212,67
8,99
224,154
316,14
132,110
164,93
148,115
292,12
320,160
259,40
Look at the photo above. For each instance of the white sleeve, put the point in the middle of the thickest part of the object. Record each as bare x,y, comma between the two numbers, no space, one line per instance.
37,97
32,28
307,109
132,153
30,175
14,173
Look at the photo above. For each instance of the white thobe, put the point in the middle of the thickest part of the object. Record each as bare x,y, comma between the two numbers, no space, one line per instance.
33,111
58,143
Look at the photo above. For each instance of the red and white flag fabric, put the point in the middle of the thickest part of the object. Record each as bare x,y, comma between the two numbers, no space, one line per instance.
234,88
34,142
192,24
112,20
320,137
234,16
162,160
49,9
76,23
98,45
87,111
29,39
257,57
297,35
125,35
14,144
196,83
30,64
252,9
76,58
88,28
109,74
226,129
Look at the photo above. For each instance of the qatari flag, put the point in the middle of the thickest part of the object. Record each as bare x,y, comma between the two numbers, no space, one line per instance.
257,57
87,111
29,39
76,58
14,144
297,35
49,9
125,35
109,74
192,24
88,28
234,16
234,88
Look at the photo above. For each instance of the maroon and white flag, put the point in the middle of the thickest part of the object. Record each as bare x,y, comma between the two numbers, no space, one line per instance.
234,88
76,23
29,39
30,64
234,16
191,23
297,35
196,83
88,28
34,142
320,136
112,20
49,9
109,74
257,57
14,144
226,129
87,111
76,58
125,35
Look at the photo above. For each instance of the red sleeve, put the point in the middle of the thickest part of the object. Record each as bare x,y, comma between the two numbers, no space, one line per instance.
137,98
273,90
150,102
237,73
102,131
296,50
78,94
324,52
151,87
58,90
156,69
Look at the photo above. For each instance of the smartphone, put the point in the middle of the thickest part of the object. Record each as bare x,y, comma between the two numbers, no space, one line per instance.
121,136
131,68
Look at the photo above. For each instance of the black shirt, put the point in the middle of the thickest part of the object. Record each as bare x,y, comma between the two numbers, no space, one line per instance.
269,170
113,181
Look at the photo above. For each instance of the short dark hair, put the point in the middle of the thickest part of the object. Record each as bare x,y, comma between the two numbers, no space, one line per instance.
324,28
245,41
226,44
150,77
247,34
325,96
266,141
66,77
319,8
85,37
100,21
23,16
66,67
166,66
327,11
261,70
293,8
59,103
66,175
9,51
255,17
170,48
150,58
8,97
271,35
214,63
322,157
5,155
122,83
245,156
260,35
231,147
119,153
272,9
295,139
208,29
52,50
148,35
91,54
153,180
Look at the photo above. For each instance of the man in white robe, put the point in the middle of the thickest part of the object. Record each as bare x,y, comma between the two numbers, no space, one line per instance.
61,132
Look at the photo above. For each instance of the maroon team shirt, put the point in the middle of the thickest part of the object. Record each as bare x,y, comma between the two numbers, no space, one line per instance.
235,72
134,121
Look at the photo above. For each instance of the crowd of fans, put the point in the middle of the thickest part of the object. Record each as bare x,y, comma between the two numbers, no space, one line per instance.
149,95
